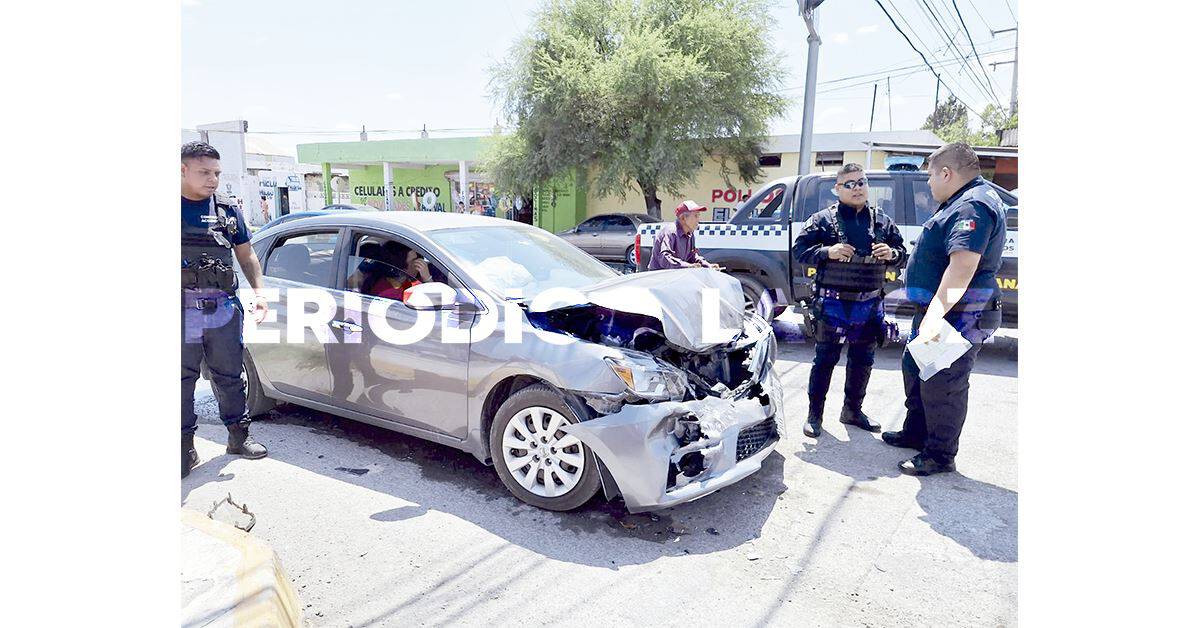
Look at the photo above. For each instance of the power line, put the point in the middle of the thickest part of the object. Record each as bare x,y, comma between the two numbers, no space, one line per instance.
882,73
981,18
903,19
912,70
972,41
966,62
922,55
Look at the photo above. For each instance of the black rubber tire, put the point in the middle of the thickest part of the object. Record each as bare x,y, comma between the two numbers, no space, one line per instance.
257,401
630,258
541,395
755,292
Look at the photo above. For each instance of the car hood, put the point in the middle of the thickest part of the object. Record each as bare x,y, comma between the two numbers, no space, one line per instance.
676,299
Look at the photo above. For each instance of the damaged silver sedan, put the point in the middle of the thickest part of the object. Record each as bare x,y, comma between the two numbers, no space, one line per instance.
569,379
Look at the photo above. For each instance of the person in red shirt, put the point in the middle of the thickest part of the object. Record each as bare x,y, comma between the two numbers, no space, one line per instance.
414,271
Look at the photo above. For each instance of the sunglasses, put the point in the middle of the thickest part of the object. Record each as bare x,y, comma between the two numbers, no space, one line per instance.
850,185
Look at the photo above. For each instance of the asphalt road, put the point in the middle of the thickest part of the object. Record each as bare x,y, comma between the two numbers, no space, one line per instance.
376,528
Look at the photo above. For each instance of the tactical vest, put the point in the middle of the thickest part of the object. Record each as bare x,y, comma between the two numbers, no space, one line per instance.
206,250
863,273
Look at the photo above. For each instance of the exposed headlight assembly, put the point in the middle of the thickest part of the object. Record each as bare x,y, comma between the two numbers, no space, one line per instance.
648,378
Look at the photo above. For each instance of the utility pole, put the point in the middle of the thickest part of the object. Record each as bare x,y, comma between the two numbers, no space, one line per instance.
937,91
362,136
889,87
874,91
808,10
1012,108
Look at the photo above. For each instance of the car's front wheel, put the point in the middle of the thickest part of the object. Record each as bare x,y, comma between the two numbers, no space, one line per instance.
536,460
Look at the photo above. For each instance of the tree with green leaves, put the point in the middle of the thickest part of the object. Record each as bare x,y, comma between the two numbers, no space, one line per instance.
949,122
637,92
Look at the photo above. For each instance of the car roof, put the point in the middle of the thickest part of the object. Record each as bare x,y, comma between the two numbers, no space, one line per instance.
420,221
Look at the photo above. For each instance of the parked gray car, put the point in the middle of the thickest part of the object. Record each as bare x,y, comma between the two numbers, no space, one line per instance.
620,389
608,237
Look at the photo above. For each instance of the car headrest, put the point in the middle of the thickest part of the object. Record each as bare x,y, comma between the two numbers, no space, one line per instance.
291,260
370,250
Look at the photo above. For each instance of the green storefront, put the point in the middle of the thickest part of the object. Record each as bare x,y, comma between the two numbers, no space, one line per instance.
426,174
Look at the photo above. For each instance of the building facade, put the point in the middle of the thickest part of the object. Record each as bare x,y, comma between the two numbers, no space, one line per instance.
265,182
429,174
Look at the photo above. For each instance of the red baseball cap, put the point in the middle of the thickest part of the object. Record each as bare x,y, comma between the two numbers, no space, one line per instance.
689,206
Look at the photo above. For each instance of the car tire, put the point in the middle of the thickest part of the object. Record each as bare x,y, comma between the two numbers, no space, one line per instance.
537,408
756,293
257,401
630,257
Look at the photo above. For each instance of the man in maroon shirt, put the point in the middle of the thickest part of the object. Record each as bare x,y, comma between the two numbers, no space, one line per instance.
676,248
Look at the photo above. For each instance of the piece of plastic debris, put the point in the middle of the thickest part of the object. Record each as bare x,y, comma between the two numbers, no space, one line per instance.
351,471
712,531
236,515
628,526
752,556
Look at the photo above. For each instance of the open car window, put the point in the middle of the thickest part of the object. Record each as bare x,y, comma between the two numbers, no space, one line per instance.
768,206
383,267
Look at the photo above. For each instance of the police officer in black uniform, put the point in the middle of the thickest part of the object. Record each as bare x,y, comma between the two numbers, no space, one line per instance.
951,277
852,244
212,314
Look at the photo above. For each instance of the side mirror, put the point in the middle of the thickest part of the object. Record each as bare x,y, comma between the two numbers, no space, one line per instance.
434,295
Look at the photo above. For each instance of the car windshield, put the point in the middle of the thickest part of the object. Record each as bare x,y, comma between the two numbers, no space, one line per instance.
504,258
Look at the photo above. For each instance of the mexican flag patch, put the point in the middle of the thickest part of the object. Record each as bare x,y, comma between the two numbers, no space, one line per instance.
965,225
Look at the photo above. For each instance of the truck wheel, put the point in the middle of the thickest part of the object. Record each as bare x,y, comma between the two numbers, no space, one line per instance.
757,297
539,463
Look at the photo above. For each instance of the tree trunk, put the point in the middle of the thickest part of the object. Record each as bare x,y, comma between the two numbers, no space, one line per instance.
653,203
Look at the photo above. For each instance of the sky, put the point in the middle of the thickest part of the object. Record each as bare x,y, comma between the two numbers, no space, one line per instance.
300,71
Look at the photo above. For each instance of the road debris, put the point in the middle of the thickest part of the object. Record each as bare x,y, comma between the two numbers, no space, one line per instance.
238,516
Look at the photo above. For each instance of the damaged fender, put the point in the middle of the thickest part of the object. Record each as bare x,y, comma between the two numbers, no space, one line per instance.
641,444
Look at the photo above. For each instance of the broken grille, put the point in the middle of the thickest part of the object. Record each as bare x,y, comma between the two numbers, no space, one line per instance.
751,440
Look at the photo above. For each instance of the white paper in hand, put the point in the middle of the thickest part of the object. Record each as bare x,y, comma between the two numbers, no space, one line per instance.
933,356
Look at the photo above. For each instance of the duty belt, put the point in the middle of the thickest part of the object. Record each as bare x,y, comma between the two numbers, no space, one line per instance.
208,304
843,295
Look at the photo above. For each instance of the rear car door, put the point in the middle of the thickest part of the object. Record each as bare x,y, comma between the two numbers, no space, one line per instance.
296,262
422,385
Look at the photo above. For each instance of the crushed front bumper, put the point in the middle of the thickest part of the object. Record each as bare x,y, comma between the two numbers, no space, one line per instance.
669,453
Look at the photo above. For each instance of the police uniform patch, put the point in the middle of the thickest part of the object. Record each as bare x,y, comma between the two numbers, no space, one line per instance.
965,225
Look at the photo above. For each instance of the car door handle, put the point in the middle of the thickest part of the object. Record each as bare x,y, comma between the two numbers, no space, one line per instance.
346,326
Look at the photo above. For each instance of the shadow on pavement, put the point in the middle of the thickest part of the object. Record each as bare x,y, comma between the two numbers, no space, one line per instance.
602,533
980,517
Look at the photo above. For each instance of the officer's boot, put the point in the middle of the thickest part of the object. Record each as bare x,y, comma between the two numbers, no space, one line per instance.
240,442
189,455
856,417
812,426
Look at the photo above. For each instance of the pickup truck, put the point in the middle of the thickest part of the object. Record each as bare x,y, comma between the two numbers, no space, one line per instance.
755,244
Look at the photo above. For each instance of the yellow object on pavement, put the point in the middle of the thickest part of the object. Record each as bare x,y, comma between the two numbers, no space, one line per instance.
231,578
